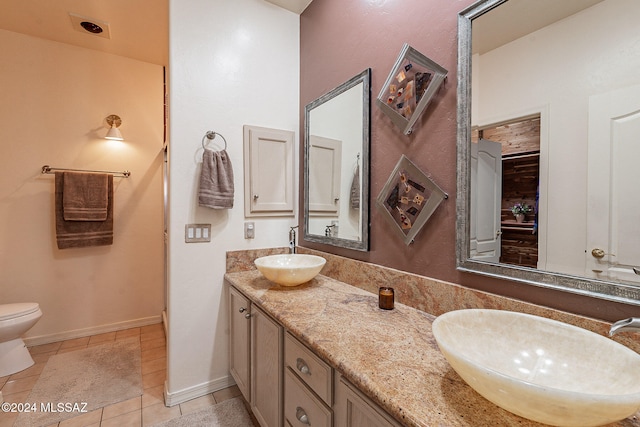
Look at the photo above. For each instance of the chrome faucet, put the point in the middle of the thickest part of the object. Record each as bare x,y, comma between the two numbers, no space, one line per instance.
630,324
292,240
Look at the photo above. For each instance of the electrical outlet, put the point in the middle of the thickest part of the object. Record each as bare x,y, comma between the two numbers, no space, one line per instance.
249,230
196,233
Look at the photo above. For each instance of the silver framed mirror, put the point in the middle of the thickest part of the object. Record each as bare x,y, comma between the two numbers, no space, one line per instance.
591,277
336,165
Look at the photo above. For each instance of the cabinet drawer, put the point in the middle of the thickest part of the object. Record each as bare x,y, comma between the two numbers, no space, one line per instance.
309,368
301,407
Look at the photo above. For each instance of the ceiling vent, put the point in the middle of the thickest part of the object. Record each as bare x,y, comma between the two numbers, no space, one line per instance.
90,26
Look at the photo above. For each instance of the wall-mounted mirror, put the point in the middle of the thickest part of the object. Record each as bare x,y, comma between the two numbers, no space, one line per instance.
548,116
336,165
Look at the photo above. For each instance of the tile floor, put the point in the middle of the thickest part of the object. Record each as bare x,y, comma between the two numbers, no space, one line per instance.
140,411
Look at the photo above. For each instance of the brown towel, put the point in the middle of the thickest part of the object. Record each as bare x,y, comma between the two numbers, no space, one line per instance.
79,234
84,196
354,194
216,180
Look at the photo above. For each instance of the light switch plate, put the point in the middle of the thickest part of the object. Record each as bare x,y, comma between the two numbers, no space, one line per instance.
197,233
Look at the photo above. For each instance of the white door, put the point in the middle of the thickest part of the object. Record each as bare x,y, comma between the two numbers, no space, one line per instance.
325,163
613,199
486,197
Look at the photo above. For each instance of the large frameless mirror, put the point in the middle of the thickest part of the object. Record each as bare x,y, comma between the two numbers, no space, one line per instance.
336,165
548,118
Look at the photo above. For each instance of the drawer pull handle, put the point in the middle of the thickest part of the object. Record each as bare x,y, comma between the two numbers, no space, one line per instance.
301,415
301,365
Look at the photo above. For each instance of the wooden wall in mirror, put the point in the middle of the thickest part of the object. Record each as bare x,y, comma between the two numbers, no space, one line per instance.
336,165
548,106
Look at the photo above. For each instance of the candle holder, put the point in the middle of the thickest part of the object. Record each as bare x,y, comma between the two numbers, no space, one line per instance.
385,298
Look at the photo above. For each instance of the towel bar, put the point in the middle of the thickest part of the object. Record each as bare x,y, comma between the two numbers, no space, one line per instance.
49,169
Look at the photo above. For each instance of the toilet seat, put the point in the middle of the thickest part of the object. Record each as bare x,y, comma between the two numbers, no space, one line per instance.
11,311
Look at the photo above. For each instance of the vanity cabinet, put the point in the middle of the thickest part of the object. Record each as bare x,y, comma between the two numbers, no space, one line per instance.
239,342
287,384
256,358
308,386
354,409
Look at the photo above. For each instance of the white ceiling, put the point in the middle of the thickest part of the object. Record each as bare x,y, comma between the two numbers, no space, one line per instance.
517,18
295,6
138,28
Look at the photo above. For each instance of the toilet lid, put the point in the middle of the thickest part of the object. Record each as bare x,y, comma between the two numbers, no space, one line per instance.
9,311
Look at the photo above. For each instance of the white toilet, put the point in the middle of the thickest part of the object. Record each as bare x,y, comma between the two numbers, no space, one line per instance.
15,320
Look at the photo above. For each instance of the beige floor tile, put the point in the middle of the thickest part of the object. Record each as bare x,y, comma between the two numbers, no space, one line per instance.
42,357
7,419
130,419
158,413
154,343
128,333
121,408
154,379
153,353
16,397
197,404
76,342
151,335
102,338
70,349
154,365
83,420
35,369
45,348
153,396
19,385
151,328
227,393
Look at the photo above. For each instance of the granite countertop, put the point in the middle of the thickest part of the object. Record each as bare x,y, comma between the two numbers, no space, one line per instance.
391,356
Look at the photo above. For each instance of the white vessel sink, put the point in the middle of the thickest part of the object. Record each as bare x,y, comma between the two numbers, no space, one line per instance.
541,369
290,269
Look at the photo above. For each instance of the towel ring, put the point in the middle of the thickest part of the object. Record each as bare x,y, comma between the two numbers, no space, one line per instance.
210,135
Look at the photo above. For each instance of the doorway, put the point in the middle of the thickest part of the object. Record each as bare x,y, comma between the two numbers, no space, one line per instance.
520,142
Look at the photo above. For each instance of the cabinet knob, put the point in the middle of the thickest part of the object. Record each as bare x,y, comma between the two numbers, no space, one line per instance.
248,315
301,415
302,366
242,310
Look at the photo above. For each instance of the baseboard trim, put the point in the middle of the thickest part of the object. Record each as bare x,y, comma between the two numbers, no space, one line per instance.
94,330
181,396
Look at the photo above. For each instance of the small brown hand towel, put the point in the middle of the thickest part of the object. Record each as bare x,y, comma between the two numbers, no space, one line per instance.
216,180
78,234
354,194
84,196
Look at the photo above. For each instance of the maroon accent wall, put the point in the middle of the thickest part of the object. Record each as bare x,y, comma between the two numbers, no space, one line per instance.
341,38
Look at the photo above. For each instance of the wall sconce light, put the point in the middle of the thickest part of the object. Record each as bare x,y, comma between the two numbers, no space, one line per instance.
114,133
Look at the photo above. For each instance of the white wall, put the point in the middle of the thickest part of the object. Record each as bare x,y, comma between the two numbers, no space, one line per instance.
54,101
231,64
599,56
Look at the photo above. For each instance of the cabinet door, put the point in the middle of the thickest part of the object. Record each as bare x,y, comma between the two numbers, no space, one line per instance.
354,409
239,334
266,369
269,184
